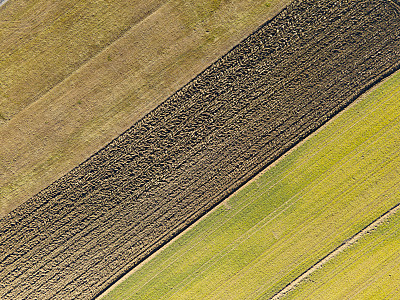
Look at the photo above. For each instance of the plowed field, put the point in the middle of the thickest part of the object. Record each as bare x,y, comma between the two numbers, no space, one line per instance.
280,84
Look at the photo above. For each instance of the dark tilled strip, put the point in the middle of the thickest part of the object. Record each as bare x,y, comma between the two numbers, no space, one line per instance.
122,245
13,216
27,222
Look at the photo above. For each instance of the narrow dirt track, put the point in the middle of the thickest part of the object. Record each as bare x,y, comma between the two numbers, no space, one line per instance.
346,244
88,228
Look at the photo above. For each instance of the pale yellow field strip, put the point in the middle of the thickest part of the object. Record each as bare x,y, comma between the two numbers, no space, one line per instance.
368,269
346,125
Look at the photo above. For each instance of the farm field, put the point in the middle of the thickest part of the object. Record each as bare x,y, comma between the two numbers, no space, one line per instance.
76,237
70,109
367,270
292,215
44,41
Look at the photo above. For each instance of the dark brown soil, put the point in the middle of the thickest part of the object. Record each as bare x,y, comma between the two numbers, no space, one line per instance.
83,232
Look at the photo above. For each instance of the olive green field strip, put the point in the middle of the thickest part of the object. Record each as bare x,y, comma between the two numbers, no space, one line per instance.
359,236
87,229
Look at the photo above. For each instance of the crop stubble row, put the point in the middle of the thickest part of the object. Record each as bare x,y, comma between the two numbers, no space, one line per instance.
89,227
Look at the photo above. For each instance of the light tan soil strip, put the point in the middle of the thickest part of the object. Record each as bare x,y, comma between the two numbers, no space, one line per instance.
346,244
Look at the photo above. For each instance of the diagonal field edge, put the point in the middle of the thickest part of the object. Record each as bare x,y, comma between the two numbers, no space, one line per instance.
20,209
249,174
331,255
254,196
279,211
347,243
83,163
342,128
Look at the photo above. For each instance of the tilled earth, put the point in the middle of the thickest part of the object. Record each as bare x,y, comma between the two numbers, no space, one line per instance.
79,235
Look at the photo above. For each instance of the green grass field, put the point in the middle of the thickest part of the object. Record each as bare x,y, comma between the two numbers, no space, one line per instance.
370,269
295,213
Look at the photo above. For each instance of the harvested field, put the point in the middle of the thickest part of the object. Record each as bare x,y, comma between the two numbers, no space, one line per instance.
44,41
88,228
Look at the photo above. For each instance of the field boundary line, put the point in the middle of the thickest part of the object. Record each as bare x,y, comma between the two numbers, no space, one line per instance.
241,181
286,205
349,262
249,175
346,244
138,123
262,290
367,249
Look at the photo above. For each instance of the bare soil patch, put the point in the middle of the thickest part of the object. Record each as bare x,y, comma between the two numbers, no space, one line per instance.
88,228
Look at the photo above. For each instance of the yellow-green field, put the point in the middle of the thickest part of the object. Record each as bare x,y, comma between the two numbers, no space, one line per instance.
75,74
370,269
299,210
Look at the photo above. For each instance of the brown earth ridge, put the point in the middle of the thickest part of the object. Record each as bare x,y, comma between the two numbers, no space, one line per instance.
79,235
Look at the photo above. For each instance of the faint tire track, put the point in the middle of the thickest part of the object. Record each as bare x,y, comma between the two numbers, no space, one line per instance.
337,251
